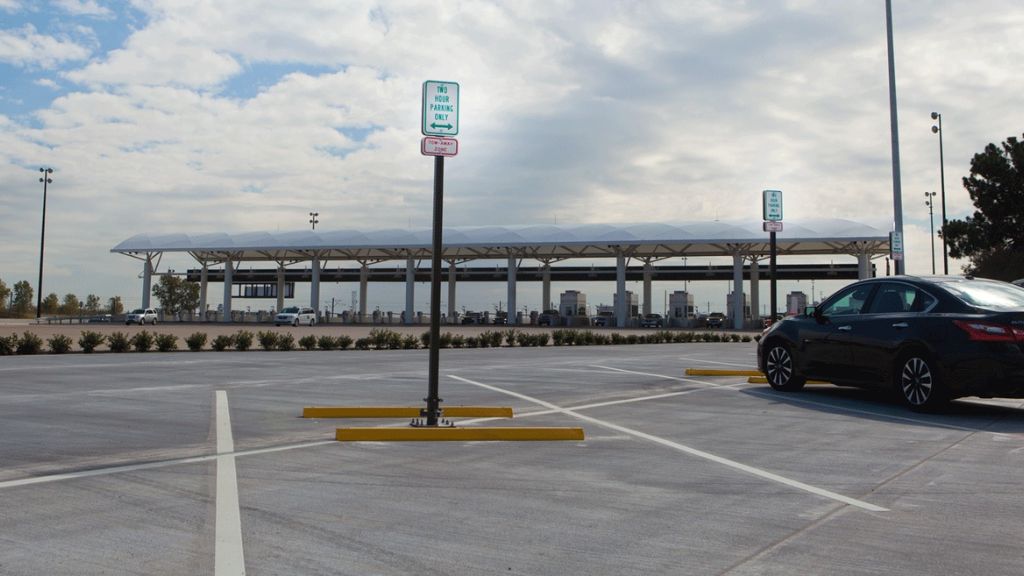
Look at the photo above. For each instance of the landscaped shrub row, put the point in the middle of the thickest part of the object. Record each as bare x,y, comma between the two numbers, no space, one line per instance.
378,339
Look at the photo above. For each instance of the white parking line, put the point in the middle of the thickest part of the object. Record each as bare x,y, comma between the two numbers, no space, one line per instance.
686,449
229,559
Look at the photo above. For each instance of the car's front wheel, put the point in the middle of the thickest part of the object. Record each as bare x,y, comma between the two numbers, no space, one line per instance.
918,384
780,368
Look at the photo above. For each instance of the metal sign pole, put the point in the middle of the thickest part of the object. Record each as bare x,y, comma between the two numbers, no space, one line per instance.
771,273
433,401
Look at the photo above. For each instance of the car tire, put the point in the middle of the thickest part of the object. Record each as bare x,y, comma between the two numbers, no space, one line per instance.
295,322
918,383
780,368
312,322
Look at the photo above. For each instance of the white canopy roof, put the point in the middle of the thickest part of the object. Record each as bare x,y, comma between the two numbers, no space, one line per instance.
541,242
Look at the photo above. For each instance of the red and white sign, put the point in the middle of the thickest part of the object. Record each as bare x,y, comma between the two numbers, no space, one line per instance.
773,226
436,146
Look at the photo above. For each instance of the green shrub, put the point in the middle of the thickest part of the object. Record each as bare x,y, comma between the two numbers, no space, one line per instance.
446,340
268,340
523,339
425,339
734,337
285,342
326,342
746,338
8,344
558,337
142,341
222,342
363,343
541,339
243,340
344,341
617,338
384,339
757,338
90,340
308,342
29,343
166,342
458,340
196,341
472,342
59,344
119,342
510,336
410,342
496,338
632,339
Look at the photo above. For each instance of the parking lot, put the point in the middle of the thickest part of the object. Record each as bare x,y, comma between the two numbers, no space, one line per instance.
198,463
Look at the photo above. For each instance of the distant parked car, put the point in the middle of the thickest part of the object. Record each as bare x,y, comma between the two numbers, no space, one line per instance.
100,319
549,318
603,319
141,316
715,320
295,315
652,321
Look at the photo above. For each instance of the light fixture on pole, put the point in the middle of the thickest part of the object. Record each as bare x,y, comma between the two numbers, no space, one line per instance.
929,201
942,181
45,179
313,220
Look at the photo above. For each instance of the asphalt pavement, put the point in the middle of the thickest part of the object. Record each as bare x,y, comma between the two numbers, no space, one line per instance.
199,463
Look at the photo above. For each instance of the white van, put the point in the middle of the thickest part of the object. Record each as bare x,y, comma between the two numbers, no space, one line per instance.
295,315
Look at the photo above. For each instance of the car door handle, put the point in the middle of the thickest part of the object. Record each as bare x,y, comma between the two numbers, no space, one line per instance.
901,325
846,328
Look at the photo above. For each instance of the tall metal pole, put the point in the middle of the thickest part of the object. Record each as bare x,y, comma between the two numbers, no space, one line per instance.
771,273
42,238
897,193
942,183
433,400
930,203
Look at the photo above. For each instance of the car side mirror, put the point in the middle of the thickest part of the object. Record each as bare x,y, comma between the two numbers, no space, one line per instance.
810,311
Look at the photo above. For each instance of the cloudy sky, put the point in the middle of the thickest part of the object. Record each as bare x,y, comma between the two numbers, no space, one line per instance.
231,115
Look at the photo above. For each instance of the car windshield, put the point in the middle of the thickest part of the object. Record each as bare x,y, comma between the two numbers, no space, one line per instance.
291,310
138,311
987,294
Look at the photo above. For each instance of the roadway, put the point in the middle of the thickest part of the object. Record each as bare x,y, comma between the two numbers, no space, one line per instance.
184,463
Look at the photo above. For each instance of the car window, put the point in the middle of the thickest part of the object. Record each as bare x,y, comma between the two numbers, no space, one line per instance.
290,310
987,294
897,297
847,302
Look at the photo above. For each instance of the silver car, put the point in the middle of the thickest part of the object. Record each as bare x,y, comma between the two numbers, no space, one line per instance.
295,315
141,316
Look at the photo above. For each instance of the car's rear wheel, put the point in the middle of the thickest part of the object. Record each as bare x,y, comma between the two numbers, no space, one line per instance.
780,368
295,322
918,383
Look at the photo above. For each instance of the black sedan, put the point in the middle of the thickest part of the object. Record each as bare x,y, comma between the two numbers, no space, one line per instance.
928,339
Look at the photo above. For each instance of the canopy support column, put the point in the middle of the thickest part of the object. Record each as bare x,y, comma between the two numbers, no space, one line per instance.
228,273
737,290
452,272
512,289
204,279
410,289
621,303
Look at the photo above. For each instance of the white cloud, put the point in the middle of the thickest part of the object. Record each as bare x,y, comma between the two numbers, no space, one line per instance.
47,83
83,8
25,47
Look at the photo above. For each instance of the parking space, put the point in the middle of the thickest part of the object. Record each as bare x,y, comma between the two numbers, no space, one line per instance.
117,465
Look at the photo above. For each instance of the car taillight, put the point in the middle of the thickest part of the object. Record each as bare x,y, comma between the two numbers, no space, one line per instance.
990,332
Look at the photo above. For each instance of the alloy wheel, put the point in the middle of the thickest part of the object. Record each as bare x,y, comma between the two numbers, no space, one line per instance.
916,381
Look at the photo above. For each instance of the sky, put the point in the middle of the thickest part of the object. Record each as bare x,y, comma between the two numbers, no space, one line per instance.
207,116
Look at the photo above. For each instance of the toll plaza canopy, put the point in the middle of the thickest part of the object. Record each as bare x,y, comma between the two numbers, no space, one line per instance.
647,242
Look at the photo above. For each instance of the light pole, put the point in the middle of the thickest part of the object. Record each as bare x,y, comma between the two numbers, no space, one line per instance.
942,183
897,193
45,179
929,201
312,219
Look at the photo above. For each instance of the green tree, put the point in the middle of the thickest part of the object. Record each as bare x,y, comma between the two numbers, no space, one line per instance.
993,237
115,305
92,304
23,294
5,293
176,294
71,306
51,304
